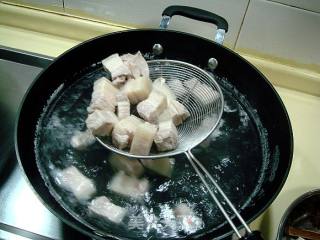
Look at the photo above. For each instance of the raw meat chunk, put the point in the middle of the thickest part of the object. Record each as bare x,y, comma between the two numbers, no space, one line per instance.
129,186
123,106
180,91
115,66
124,131
101,122
160,85
137,64
131,167
137,89
103,96
74,181
187,219
103,207
151,108
81,140
167,136
175,112
161,166
143,139
202,92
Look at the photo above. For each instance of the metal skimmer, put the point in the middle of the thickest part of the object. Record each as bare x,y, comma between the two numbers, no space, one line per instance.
198,92
201,95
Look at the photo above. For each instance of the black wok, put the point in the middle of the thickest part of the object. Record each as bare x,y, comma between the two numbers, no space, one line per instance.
264,156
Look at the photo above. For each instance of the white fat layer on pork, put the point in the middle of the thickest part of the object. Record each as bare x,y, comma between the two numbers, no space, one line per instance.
123,106
161,166
151,108
103,207
137,64
167,136
137,89
71,179
81,140
129,186
143,139
175,112
160,85
101,122
202,92
124,131
103,96
131,167
115,66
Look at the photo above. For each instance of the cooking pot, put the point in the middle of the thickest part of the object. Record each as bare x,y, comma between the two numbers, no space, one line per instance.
249,154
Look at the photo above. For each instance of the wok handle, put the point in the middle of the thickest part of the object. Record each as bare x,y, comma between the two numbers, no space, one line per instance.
196,14
254,235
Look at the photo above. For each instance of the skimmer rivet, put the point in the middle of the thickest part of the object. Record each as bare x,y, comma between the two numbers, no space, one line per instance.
157,49
212,63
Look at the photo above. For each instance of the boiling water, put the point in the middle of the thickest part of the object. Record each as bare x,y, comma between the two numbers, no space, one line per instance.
232,154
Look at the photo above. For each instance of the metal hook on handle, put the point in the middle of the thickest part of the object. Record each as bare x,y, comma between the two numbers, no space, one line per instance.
196,14
250,235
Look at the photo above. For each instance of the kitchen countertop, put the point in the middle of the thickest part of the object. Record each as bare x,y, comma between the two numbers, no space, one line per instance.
303,109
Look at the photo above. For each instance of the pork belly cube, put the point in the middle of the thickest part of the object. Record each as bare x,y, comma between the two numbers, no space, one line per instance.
124,131
129,186
175,112
123,106
130,166
71,179
143,139
137,64
187,219
103,96
115,66
160,85
137,89
161,166
167,136
81,140
151,108
101,122
202,92
103,207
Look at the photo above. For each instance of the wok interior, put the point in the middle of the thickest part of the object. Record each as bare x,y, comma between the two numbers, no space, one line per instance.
238,159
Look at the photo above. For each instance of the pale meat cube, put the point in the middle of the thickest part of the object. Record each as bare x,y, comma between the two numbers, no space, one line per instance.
115,66
202,92
176,112
143,139
101,122
137,89
103,96
81,140
71,179
129,186
124,131
118,82
167,136
161,166
123,106
137,64
180,91
103,207
131,167
151,108
187,219
160,85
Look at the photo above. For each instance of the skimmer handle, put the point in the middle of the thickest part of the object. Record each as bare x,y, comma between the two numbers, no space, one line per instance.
196,14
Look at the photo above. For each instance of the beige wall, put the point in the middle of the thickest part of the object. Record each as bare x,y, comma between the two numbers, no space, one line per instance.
286,31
